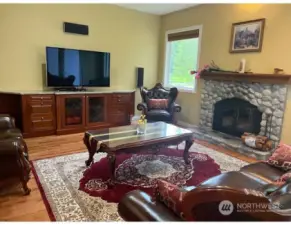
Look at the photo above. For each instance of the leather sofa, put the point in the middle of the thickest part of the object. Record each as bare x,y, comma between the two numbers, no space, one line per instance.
201,203
159,92
14,161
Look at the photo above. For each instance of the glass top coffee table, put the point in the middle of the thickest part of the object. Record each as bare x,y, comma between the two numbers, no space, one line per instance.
126,139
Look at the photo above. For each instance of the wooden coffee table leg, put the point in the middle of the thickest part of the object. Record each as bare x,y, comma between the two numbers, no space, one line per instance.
188,144
111,160
91,149
90,160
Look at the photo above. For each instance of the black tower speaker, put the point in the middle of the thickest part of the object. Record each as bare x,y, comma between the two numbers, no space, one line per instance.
76,28
140,71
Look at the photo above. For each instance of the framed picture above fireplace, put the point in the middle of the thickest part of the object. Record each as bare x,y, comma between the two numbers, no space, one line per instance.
247,36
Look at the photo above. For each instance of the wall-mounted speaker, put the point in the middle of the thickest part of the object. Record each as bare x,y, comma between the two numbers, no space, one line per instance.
140,72
75,28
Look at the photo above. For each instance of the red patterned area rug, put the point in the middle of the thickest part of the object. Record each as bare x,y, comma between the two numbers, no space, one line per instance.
59,178
141,171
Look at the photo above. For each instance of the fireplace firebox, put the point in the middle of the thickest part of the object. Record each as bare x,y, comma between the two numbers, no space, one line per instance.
235,116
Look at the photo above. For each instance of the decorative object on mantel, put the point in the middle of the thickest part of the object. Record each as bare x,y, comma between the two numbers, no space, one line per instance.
247,36
212,68
278,71
258,142
242,66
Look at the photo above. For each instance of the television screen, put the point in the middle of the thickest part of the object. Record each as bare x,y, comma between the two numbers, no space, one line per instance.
71,67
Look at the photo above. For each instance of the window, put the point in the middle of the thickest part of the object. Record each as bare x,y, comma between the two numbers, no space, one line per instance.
182,55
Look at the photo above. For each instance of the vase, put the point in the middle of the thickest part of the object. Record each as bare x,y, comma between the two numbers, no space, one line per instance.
140,129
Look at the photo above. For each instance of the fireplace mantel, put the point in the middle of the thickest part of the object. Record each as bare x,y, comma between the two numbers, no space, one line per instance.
248,77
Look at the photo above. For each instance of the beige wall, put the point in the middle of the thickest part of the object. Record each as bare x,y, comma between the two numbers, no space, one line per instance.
217,20
130,36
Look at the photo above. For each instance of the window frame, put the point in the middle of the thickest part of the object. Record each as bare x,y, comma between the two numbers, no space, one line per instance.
168,52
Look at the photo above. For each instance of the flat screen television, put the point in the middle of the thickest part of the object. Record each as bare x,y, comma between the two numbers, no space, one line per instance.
73,68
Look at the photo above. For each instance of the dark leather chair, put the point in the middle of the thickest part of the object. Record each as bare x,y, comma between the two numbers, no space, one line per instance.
7,127
159,92
201,203
13,153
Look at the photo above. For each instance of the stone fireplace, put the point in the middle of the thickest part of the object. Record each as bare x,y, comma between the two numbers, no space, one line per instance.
236,106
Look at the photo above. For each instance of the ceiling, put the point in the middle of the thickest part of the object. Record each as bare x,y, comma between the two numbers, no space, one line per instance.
157,9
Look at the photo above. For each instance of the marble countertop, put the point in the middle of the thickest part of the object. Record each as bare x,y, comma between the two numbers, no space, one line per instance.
43,92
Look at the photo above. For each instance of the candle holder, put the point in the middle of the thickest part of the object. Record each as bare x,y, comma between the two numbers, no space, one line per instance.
141,125
141,128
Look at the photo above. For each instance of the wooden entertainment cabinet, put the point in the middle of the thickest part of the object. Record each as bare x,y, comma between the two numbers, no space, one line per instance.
47,113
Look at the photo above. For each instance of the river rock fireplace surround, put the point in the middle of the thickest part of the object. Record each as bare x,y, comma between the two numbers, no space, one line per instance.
233,104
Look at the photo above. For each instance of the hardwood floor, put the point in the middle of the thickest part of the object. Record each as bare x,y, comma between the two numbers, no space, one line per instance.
16,207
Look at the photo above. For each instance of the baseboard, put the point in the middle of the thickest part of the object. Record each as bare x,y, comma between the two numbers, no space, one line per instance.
185,124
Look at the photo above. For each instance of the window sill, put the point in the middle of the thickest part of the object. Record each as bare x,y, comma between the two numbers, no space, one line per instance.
184,90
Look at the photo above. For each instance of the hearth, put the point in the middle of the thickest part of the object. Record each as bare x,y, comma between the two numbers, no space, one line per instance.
235,116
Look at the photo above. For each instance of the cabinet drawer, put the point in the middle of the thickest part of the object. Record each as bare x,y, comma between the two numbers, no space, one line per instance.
121,98
40,97
40,100
42,125
45,108
42,122
41,116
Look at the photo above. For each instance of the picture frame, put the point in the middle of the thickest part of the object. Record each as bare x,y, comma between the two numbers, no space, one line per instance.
247,36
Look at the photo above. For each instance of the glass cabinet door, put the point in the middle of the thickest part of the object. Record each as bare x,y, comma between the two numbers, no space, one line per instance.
73,111
96,109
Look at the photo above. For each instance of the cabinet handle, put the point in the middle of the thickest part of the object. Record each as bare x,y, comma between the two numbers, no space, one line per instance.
42,118
41,98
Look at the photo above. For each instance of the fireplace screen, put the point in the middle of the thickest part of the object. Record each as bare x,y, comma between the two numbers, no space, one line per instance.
235,116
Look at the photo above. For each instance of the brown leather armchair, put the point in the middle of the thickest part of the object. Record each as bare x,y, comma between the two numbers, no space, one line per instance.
13,153
201,203
7,127
159,92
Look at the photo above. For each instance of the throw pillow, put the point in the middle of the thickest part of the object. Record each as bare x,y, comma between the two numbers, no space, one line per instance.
284,177
281,157
158,103
170,195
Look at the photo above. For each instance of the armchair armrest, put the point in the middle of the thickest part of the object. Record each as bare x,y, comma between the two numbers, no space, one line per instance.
142,107
14,155
14,146
175,108
139,206
6,122
202,204
9,146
